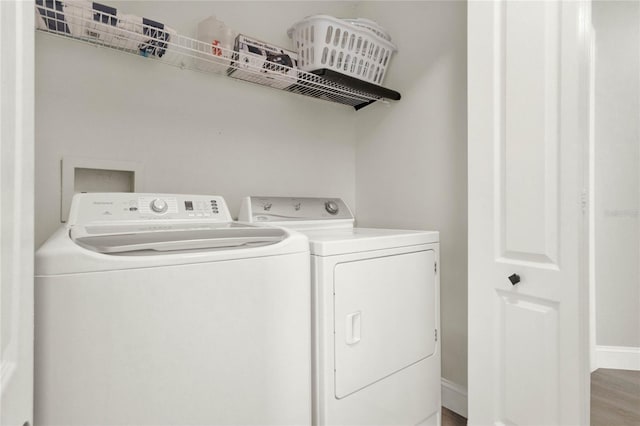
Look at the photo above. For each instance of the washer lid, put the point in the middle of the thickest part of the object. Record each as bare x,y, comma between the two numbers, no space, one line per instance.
131,238
343,241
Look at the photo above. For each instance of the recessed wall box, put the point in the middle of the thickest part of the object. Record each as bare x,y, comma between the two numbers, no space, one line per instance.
96,175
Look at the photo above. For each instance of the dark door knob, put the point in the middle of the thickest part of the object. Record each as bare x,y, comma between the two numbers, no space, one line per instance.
514,278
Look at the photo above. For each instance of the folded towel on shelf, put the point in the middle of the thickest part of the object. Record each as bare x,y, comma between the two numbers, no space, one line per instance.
150,38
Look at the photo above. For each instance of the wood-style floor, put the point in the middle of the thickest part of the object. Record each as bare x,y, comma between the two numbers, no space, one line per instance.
449,418
615,400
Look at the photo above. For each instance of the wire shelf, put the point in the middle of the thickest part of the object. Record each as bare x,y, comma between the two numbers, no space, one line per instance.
104,26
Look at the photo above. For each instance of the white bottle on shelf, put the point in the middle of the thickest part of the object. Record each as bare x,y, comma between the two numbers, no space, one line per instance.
220,37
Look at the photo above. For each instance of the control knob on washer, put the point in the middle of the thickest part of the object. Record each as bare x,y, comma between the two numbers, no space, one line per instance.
331,207
159,205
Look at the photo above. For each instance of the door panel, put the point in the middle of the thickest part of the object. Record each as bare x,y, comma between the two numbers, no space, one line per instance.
528,138
384,317
528,338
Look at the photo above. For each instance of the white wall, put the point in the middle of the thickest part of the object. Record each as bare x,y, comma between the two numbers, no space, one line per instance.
617,164
198,133
194,133
411,160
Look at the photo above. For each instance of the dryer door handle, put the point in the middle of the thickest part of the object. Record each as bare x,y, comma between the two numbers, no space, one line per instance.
352,328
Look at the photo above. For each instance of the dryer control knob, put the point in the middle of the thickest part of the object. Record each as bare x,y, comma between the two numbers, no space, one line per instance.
331,207
159,205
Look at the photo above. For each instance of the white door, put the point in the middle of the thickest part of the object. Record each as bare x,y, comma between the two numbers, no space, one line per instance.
16,212
528,137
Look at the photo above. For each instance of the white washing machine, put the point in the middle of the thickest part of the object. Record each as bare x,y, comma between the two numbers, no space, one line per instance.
159,310
375,292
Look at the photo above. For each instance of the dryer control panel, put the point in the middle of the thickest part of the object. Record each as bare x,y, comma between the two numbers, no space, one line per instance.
281,209
135,207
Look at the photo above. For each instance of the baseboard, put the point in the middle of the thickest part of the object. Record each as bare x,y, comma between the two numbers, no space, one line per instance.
618,357
454,397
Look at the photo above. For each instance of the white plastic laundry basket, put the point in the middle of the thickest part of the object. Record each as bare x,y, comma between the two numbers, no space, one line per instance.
323,41
369,25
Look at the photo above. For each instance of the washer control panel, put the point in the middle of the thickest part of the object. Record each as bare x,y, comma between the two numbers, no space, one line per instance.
279,209
112,207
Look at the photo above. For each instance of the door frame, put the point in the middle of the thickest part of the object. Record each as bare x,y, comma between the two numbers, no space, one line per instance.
17,209
592,200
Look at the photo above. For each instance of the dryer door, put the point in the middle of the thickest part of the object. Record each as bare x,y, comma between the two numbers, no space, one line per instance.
384,317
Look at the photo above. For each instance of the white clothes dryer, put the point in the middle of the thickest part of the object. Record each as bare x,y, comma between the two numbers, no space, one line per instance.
375,292
157,309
